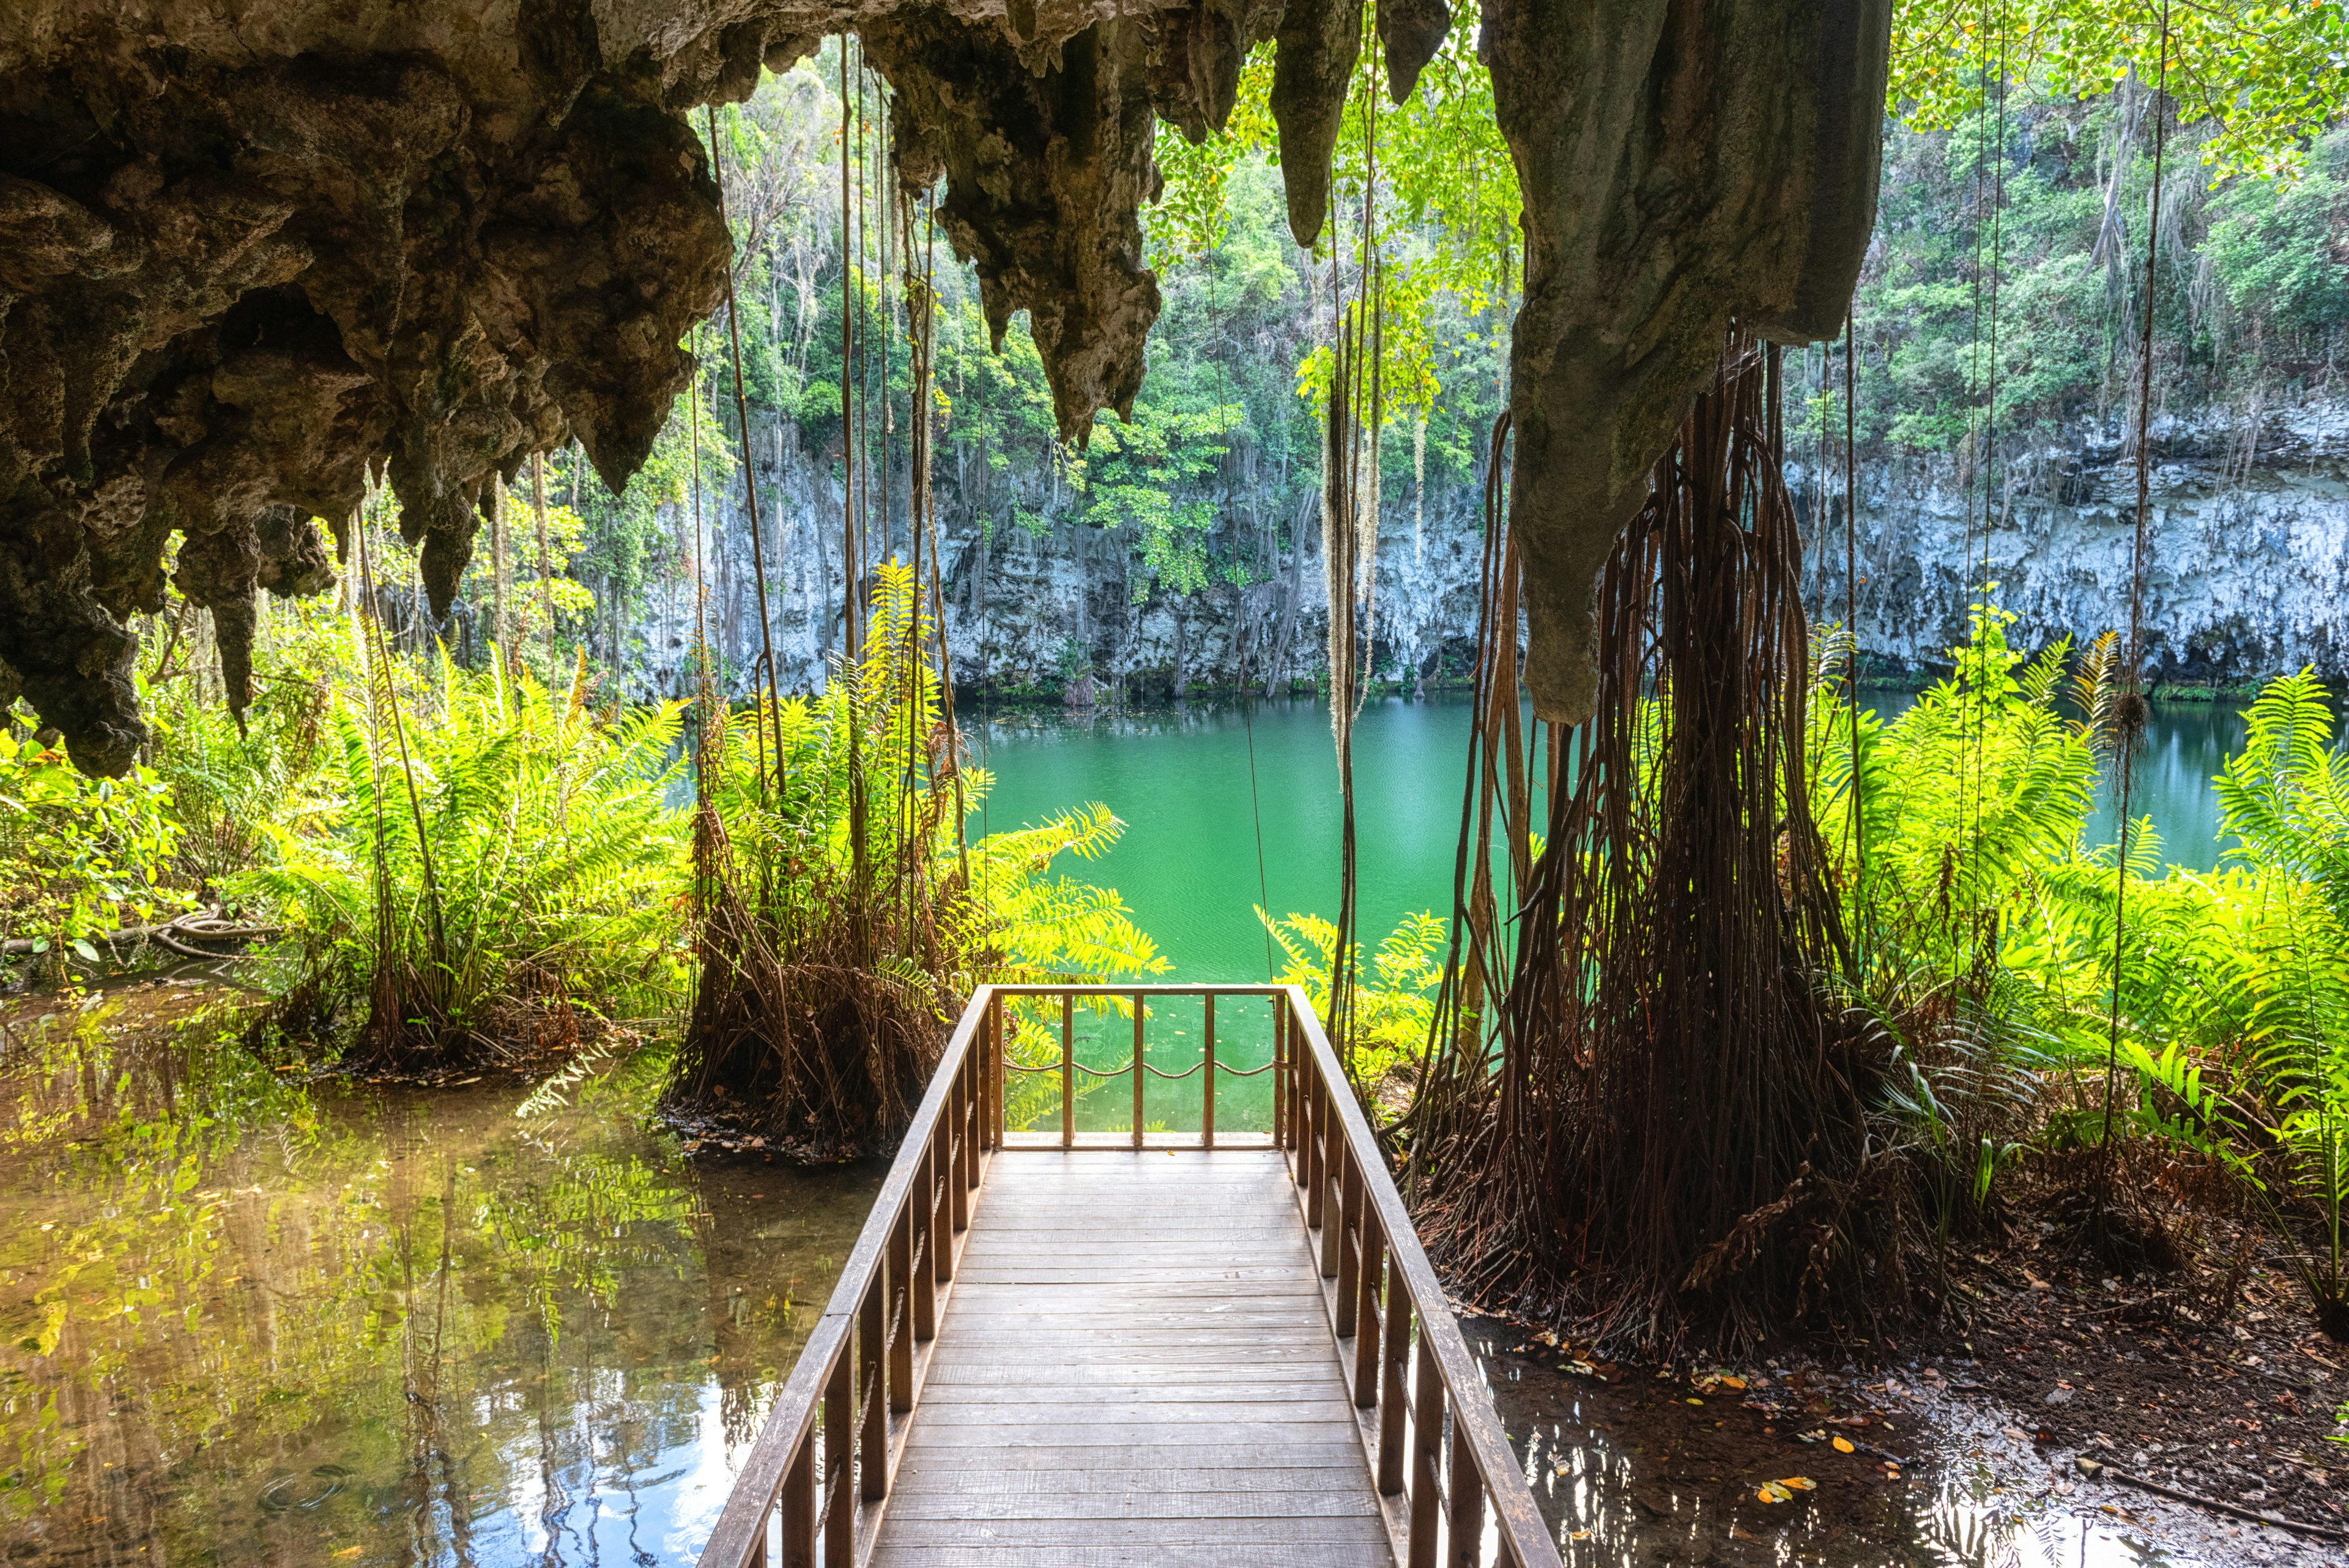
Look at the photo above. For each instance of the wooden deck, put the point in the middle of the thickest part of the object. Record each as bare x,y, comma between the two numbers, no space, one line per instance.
1137,1368
1086,1349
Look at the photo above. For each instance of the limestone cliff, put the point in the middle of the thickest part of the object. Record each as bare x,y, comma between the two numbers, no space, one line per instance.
2249,573
2246,559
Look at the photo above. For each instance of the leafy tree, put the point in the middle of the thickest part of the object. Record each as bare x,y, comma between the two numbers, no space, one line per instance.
2269,72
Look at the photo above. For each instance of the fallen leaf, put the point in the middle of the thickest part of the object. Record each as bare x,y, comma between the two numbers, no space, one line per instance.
1771,1491
1843,1445
1736,1383
1799,1483
1696,1401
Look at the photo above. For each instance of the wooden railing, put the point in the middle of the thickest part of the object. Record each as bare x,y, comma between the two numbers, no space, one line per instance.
1452,1483
818,1476
820,1466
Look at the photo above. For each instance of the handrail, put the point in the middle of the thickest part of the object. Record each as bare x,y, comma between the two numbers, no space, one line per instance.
1361,1217
858,1366
1419,1394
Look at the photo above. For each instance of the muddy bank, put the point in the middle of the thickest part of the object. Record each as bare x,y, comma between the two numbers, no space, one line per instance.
1961,1441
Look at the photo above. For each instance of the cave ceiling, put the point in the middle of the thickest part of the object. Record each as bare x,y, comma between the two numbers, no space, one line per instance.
254,256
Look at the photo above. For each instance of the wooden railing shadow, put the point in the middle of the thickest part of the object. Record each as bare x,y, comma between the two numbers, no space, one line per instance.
1451,1488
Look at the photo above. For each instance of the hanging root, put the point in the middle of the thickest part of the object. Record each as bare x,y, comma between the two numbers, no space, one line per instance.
798,1033
1667,1135
827,974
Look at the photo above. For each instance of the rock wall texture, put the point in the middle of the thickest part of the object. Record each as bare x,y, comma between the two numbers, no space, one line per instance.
2247,561
2248,574
1027,615
249,253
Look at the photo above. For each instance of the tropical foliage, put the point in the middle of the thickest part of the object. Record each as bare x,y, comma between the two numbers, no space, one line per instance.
481,859
2041,999
1394,999
842,916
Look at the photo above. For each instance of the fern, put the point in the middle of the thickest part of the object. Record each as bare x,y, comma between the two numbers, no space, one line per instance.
557,860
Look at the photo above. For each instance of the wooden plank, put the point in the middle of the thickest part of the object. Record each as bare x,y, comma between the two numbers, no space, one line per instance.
933,1502
1015,1401
1122,1481
998,1341
1214,1430
1226,1366
1352,1530
1201,1448
1076,1411
1135,1554
975,1279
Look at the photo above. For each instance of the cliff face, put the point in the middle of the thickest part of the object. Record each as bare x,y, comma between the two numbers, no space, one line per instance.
2247,547
2248,573
1031,614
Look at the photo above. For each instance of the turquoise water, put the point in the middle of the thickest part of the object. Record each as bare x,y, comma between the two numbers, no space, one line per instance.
1226,808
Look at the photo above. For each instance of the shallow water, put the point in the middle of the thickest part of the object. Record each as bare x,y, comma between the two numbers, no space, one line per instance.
1631,1471
253,1319
1225,807
250,1319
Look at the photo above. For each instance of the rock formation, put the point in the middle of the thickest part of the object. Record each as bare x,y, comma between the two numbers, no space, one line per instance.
1684,162
251,258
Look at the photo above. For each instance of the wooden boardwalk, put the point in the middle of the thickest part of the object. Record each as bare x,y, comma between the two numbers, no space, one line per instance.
1083,1350
1137,1368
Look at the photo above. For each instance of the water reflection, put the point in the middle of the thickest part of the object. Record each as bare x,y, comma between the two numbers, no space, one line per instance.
1629,1472
244,1319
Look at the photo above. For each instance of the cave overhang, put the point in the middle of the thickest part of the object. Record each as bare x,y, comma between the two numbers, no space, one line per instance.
253,259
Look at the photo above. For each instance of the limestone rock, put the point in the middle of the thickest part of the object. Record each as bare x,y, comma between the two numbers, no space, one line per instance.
236,271
1320,41
1046,173
252,255
1410,31
1682,164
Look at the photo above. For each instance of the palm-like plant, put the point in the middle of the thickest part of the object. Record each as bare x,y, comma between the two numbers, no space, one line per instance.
2285,797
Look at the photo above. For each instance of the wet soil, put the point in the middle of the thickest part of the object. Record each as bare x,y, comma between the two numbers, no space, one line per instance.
1964,1441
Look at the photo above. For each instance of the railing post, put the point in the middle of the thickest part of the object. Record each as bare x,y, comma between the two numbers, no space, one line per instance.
873,1365
840,1462
901,1283
1315,1153
945,1164
1068,1071
964,1150
1350,1213
1394,1392
1467,1505
1140,1006
799,1507
1367,1310
1280,1095
920,1217
1306,1106
1207,1112
993,1129
1426,1439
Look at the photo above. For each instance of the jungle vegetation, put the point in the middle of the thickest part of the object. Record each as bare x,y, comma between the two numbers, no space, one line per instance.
486,841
